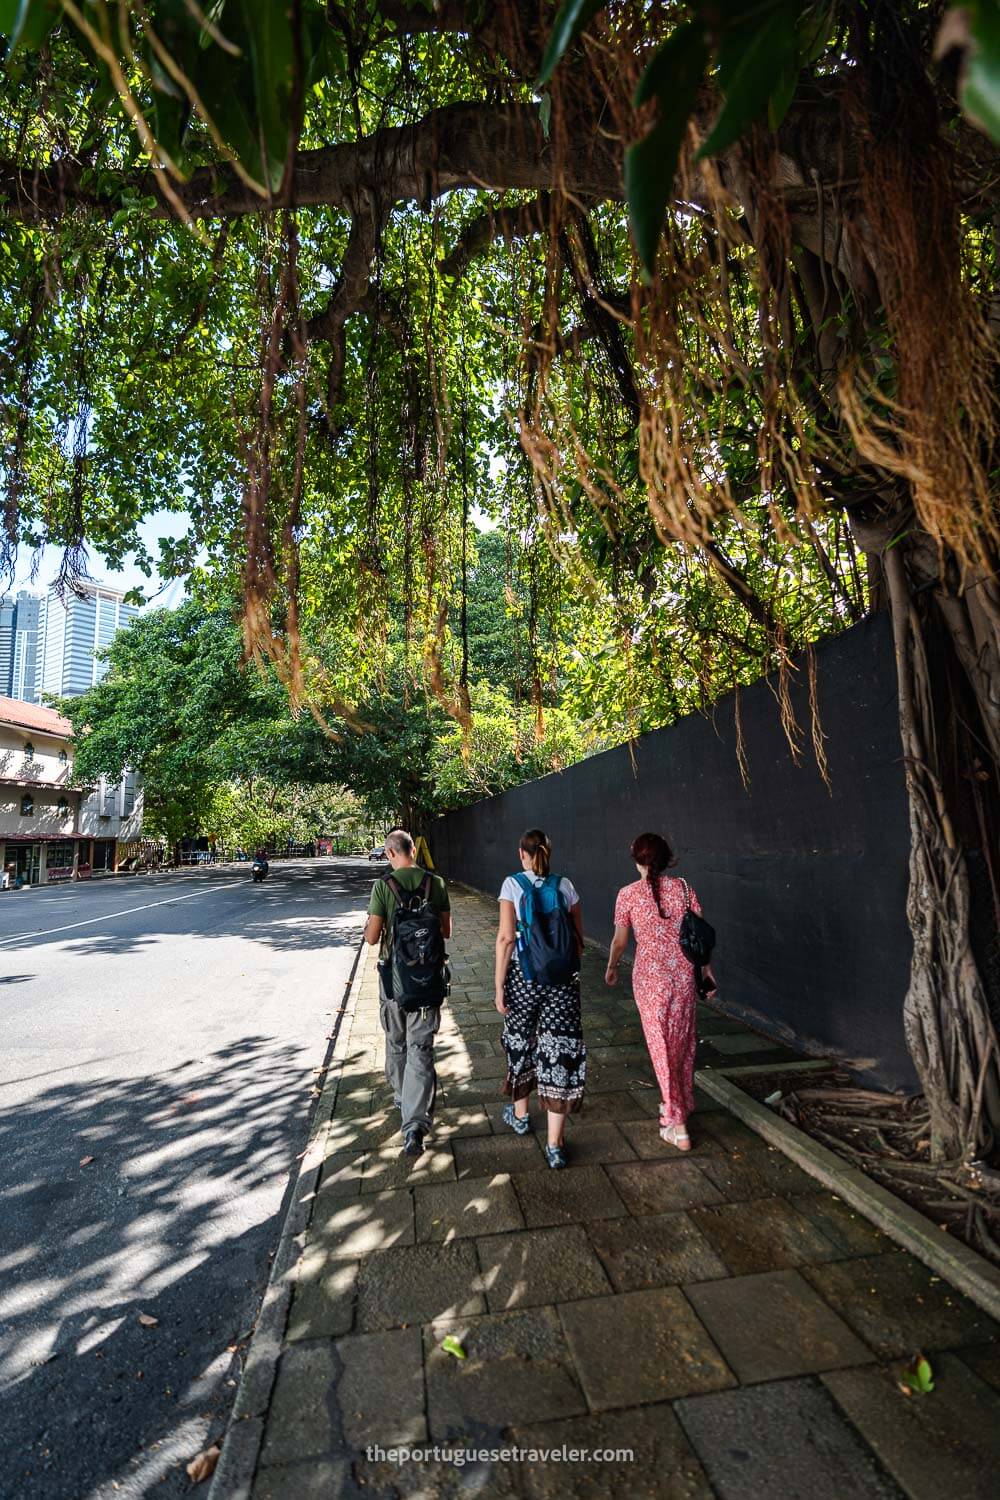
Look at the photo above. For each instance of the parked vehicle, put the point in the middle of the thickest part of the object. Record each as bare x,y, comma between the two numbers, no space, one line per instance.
376,854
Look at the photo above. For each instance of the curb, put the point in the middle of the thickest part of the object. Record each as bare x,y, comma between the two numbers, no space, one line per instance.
956,1262
244,1435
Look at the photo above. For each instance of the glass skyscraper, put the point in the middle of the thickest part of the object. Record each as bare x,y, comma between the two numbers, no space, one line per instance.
19,646
48,644
70,631
8,612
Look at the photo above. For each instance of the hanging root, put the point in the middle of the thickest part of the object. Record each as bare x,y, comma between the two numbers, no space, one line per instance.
937,430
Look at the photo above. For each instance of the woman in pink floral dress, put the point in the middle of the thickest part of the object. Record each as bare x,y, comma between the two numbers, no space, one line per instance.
663,980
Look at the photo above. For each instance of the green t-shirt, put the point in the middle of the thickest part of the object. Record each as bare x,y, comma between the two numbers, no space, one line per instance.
383,902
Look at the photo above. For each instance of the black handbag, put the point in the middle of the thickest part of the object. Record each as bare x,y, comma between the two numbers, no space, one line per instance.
697,941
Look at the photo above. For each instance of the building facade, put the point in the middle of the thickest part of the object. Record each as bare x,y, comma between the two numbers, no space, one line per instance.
8,614
70,632
49,829
24,671
19,646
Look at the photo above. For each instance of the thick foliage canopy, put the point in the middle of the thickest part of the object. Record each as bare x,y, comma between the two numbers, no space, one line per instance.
696,303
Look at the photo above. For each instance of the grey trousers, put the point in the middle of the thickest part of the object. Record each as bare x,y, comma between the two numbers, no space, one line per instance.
409,1059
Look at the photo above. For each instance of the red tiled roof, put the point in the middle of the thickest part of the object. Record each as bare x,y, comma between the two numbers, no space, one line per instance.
31,716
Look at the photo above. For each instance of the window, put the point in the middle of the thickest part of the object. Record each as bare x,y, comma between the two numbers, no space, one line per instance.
59,855
62,807
29,751
128,795
27,806
63,757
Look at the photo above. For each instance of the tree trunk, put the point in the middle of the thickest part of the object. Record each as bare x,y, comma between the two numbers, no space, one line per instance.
949,1028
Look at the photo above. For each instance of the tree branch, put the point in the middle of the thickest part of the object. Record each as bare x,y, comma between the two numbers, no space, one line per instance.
467,145
510,221
757,608
350,293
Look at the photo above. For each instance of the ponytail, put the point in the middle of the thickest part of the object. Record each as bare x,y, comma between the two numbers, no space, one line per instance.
653,852
535,844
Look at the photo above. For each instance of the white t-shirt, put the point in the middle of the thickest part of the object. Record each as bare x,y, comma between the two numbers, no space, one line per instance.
511,891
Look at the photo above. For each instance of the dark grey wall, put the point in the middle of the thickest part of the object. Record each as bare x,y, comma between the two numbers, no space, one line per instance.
806,888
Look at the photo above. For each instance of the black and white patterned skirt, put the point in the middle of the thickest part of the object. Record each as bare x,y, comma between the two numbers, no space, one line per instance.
543,1039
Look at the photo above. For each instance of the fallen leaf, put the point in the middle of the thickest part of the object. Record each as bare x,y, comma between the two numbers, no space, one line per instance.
85,1161
202,1466
148,1321
450,1345
188,1102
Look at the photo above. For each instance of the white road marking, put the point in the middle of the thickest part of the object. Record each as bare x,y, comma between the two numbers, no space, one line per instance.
111,915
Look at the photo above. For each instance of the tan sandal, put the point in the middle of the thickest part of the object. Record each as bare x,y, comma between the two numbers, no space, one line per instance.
675,1135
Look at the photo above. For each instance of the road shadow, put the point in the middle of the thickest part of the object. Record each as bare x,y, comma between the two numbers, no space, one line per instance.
297,909
152,1195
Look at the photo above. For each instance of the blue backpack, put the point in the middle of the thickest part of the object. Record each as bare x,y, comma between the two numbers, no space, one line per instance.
546,943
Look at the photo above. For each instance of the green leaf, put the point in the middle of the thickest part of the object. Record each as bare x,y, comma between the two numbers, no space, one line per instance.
27,23
781,99
979,91
235,120
749,62
917,1379
172,117
572,18
813,33
272,57
451,1345
545,113
673,75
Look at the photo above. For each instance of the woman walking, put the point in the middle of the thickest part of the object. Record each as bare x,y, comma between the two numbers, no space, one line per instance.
538,993
663,979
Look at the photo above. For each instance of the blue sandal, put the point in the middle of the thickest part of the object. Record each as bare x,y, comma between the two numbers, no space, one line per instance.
556,1157
520,1125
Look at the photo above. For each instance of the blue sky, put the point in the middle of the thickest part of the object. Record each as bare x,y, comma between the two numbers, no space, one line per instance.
168,523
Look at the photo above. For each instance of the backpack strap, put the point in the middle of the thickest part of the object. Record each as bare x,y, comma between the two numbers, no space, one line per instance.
528,895
404,898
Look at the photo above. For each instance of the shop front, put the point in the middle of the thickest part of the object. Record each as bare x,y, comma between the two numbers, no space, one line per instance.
102,859
60,855
23,862
38,861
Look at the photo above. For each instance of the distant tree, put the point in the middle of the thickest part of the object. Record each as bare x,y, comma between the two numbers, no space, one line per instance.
178,706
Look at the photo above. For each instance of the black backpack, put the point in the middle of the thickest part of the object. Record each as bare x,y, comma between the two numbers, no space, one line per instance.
417,955
547,949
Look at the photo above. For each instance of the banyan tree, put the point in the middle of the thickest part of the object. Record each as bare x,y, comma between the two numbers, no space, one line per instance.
698,299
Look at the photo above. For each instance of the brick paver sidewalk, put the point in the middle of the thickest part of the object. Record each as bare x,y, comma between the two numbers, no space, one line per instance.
738,1329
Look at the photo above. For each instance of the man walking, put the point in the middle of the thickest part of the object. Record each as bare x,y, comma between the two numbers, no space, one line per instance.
409,1033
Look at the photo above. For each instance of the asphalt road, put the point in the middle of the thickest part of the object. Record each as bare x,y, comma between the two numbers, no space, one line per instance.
168,1028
